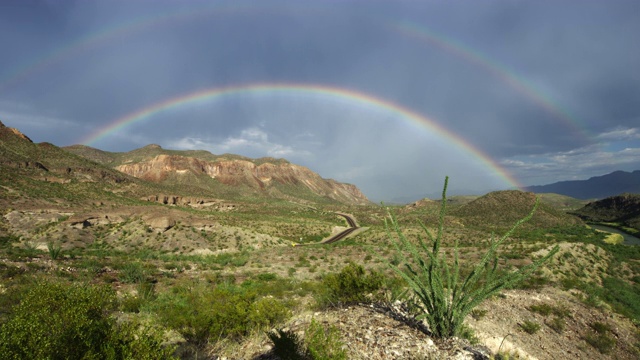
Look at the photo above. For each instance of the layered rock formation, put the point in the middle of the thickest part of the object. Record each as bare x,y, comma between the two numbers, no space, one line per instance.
260,174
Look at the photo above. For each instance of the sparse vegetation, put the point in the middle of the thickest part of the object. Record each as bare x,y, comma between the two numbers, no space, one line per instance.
226,274
600,337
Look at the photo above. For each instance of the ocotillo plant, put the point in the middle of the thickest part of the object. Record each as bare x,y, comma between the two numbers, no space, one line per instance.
444,295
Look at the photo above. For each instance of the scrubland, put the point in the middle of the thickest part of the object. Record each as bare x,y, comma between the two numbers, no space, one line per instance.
104,280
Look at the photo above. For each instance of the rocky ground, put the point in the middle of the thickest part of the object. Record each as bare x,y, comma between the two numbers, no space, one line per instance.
372,333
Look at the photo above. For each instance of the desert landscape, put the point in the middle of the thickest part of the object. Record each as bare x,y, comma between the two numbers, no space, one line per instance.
319,180
214,257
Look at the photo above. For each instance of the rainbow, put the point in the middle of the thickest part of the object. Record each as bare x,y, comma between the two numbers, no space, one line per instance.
403,28
84,43
350,97
498,71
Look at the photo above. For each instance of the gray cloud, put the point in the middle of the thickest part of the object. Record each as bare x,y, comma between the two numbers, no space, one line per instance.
548,90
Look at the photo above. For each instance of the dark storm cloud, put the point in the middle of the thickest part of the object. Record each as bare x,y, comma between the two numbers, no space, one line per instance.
548,89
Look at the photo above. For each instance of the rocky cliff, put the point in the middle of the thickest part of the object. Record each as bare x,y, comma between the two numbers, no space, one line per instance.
267,175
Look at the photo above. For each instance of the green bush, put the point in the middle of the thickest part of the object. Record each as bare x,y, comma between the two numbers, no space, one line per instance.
545,309
542,309
145,292
54,250
478,314
324,344
557,324
530,327
444,295
623,297
62,321
202,314
351,286
132,272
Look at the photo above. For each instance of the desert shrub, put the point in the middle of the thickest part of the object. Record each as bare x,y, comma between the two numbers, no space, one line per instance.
600,337
54,250
600,327
132,272
530,327
351,285
135,341
234,259
266,312
478,314
202,314
466,332
545,309
444,296
624,297
533,282
324,344
10,271
542,309
557,324
62,321
266,276
145,292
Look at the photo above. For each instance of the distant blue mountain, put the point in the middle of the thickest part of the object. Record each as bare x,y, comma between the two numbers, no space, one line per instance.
597,187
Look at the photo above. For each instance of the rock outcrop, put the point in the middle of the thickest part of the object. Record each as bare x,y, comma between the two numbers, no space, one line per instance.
259,174
14,131
192,202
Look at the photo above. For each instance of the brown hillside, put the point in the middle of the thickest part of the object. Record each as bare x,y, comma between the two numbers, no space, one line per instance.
246,173
226,173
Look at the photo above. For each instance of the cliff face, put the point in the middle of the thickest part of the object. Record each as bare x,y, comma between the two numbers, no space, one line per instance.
260,175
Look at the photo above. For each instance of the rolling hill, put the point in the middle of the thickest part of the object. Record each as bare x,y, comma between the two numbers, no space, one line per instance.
623,209
504,208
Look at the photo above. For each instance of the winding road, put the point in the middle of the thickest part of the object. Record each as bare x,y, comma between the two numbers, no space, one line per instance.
341,235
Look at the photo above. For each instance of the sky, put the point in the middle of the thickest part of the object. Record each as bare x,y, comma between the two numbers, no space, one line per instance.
391,96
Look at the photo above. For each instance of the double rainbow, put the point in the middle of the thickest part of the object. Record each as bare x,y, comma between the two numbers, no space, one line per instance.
351,97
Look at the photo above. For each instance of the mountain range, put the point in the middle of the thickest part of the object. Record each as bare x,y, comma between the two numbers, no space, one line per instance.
153,171
597,187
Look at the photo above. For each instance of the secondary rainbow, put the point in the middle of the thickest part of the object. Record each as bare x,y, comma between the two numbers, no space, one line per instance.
60,54
350,97
528,91
404,28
